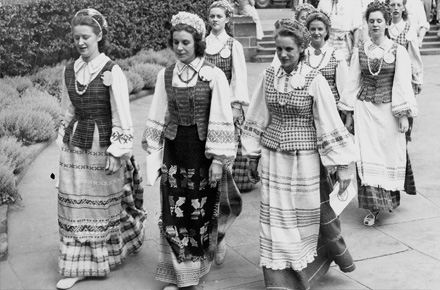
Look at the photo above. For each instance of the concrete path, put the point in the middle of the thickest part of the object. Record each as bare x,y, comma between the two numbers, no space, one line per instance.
401,252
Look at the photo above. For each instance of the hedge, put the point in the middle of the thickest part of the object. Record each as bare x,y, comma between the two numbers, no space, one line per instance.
37,34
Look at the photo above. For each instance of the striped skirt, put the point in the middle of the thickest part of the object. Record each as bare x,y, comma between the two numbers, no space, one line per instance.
289,209
100,216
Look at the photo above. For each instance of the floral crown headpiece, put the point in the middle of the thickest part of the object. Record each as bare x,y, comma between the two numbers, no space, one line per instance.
297,28
223,4
95,15
306,6
318,14
189,19
379,6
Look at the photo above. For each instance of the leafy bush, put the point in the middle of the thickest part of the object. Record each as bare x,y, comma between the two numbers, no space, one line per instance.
27,126
50,79
8,186
36,34
21,84
36,100
163,57
8,94
148,72
135,82
15,152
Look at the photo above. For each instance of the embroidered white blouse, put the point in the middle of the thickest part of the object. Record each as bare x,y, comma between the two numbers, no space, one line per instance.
119,101
238,86
329,127
220,142
403,99
346,15
413,48
341,73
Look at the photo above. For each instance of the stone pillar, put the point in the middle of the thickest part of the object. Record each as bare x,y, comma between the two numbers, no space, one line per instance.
245,31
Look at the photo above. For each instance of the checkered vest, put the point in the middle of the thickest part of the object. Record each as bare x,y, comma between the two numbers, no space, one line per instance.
376,89
291,126
401,38
93,107
329,72
225,64
187,106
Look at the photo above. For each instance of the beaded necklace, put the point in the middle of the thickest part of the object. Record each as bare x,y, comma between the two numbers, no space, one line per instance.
310,61
369,66
85,86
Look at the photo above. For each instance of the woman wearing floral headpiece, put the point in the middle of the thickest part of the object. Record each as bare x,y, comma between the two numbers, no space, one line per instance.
227,54
291,126
380,95
99,222
191,119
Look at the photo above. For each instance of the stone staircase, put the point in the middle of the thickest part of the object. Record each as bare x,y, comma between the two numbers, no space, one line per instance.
266,46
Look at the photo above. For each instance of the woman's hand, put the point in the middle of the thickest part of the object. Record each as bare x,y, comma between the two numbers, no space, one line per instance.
417,88
113,164
344,178
252,171
215,174
403,124
349,122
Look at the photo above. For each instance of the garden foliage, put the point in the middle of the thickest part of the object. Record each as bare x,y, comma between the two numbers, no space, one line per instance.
37,34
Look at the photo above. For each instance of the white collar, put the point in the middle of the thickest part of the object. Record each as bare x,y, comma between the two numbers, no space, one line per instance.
323,49
94,65
196,65
399,25
385,45
216,43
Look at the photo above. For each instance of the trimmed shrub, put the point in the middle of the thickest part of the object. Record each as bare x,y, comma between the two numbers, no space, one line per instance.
50,79
36,100
37,34
8,94
15,152
162,57
148,72
135,82
26,125
21,84
8,186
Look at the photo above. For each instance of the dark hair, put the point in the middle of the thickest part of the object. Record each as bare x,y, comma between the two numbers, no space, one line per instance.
199,42
228,26
405,12
321,17
381,7
297,36
103,44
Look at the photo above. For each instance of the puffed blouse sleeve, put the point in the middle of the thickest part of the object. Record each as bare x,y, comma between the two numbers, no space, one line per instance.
342,72
238,87
353,84
403,101
415,56
67,112
152,139
257,119
122,125
335,144
220,140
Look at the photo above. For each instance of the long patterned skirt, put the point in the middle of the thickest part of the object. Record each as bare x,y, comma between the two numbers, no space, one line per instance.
189,217
100,216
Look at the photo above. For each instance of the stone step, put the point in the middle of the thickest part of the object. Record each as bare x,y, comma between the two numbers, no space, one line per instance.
431,44
431,38
430,51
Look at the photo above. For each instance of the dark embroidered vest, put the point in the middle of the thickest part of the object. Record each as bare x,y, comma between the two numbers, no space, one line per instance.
225,64
291,126
93,107
377,89
187,106
329,72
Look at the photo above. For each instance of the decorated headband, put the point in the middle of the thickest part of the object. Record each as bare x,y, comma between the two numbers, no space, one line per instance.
189,19
318,14
223,4
297,28
95,15
306,6
379,6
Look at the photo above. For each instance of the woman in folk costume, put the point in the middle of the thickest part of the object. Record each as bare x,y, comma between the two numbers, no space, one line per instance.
98,221
247,8
346,17
380,95
191,119
301,13
291,126
402,32
227,54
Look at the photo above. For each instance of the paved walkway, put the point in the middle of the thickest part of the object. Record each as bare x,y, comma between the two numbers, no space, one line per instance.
401,252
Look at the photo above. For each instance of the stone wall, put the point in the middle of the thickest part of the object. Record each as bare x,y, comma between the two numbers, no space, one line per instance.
245,31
